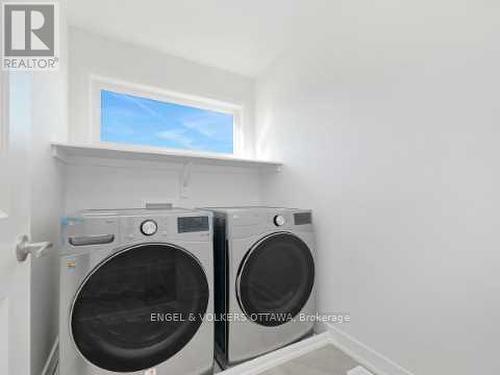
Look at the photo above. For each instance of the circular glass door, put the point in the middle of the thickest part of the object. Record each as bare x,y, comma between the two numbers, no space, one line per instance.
275,279
139,307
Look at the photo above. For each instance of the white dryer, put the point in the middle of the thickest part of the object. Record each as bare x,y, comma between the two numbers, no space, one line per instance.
264,280
135,288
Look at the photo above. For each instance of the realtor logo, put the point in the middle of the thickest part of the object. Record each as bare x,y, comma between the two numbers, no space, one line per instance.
29,31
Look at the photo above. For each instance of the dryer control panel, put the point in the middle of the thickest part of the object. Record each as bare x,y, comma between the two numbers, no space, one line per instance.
90,230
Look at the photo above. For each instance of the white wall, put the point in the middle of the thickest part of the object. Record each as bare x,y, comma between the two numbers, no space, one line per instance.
94,55
387,119
100,183
49,123
47,200
107,183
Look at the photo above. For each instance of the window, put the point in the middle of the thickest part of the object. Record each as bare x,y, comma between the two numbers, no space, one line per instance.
174,121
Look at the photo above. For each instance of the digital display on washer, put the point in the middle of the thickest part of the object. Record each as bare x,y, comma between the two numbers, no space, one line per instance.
192,224
302,218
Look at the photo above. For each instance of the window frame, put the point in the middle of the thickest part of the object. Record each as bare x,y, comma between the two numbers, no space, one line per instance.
97,84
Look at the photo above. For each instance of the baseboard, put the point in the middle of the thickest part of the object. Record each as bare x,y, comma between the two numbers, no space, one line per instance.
273,359
52,360
365,355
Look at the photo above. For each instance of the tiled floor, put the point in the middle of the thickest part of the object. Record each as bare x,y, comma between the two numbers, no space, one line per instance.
327,360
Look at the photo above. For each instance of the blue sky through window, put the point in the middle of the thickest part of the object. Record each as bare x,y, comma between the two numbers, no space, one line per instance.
139,121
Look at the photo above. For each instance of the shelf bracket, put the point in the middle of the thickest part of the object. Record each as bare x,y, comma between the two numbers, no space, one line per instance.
58,154
185,179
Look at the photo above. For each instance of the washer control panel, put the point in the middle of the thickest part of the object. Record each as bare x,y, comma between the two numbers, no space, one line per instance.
149,227
279,220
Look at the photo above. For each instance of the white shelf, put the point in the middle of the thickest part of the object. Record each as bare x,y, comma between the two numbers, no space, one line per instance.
67,151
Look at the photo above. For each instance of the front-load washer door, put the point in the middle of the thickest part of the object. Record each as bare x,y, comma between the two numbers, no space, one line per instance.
139,307
275,279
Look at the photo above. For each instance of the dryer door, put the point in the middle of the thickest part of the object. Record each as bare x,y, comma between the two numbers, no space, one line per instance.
275,279
139,307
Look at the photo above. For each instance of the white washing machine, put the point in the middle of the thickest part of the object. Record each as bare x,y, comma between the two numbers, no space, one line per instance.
264,280
135,288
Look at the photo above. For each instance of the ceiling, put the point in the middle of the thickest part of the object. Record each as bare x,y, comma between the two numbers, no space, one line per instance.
236,35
